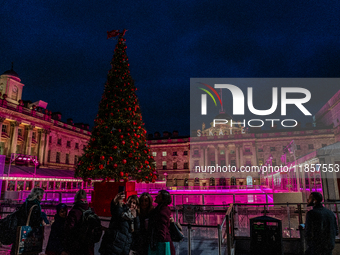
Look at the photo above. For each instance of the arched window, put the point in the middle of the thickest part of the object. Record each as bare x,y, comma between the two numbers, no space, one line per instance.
212,181
197,182
249,181
175,182
317,181
232,181
186,182
307,180
222,182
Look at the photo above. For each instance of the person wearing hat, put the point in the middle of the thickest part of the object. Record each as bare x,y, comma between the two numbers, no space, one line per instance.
54,245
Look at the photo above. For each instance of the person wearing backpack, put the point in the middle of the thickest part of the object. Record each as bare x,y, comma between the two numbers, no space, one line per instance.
75,241
33,199
54,245
124,221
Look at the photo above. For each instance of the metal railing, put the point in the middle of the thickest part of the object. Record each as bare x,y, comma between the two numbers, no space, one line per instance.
292,216
49,197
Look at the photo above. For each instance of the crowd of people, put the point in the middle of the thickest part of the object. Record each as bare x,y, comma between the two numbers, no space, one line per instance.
136,227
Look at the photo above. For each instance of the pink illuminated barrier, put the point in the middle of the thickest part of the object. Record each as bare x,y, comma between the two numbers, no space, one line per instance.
234,188
54,197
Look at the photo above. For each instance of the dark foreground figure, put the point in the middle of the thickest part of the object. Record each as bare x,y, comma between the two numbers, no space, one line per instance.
321,227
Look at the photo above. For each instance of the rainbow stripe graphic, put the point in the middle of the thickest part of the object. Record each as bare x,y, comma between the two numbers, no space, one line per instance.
209,93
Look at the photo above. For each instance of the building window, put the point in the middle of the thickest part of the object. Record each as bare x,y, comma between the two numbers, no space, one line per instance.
186,165
75,159
260,150
154,153
164,153
324,145
14,94
76,146
272,148
154,164
248,163
196,152
247,150
310,146
59,141
185,153
50,139
274,162
49,156
174,153
164,165
19,132
298,147
233,162
67,161
57,158
175,165
34,135
221,152
232,152
260,161
68,144
4,128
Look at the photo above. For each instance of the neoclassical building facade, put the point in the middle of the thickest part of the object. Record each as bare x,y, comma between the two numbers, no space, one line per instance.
30,129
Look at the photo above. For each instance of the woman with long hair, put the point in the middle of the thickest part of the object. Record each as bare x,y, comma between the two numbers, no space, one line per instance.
124,222
33,200
141,239
159,226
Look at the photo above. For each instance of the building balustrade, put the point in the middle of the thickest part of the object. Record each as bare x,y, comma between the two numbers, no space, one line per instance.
46,115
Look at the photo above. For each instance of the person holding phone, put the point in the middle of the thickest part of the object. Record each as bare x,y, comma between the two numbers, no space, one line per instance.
124,221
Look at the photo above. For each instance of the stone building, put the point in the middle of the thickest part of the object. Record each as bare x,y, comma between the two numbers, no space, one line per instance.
30,129
177,157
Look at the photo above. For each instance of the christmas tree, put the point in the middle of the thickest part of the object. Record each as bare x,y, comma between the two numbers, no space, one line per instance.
117,148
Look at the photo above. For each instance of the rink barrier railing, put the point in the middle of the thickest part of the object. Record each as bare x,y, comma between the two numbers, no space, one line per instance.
226,239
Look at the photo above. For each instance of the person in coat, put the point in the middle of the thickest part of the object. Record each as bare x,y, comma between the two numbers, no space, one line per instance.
73,243
159,226
140,242
321,227
124,221
55,240
33,199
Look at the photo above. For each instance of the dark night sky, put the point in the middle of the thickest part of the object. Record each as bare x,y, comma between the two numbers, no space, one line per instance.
60,51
